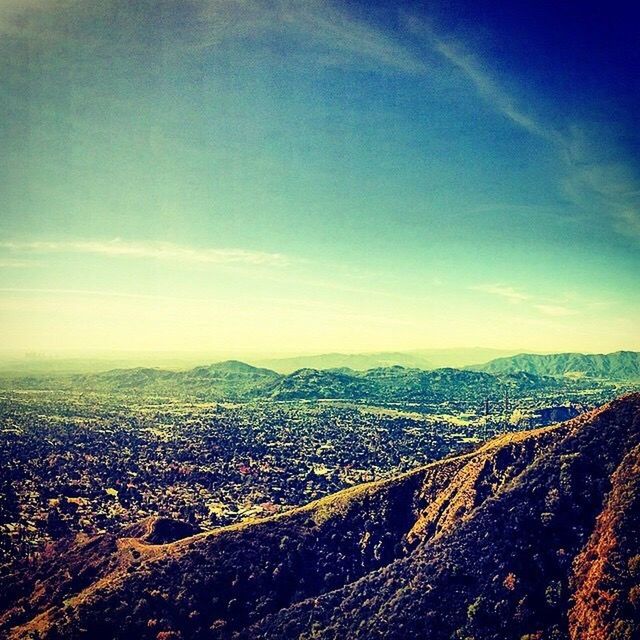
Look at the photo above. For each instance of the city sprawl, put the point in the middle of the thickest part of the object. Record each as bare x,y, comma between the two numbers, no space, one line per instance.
85,463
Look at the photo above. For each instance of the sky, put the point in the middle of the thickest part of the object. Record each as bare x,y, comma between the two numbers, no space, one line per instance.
297,177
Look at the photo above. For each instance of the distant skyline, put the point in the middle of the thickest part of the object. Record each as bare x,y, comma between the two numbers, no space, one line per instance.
284,177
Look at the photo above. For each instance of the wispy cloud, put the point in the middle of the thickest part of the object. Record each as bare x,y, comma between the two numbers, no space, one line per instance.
502,291
597,175
454,52
327,32
330,32
554,310
593,179
14,263
166,251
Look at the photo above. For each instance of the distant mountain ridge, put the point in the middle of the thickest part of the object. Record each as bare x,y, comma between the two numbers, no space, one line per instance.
237,381
355,361
533,536
414,359
620,365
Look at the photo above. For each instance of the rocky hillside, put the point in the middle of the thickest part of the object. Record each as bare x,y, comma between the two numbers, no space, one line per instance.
534,535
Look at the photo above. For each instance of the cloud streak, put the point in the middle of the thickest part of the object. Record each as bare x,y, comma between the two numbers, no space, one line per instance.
165,251
331,33
597,175
590,180
485,85
326,31
556,311
515,296
14,263
502,291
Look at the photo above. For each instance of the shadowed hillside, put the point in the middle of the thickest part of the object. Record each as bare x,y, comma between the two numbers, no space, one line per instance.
526,537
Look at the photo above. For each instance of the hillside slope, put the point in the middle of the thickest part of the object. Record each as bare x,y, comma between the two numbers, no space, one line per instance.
621,365
522,538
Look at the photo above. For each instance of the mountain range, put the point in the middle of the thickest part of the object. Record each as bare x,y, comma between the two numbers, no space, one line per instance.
236,381
416,359
621,365
19,364
532,536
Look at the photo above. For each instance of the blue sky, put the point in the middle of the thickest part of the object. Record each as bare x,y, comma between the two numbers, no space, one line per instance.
310,176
